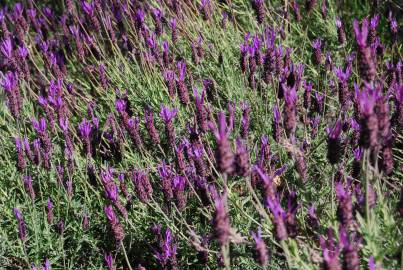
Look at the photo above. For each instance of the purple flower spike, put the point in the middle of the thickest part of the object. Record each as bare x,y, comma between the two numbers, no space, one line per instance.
331,252
49,207
88,7
22,230
289,112
221,221
361,33
258,5
341,34
317,45
261,252
178,187
168,115
109,261
245,119
29,187
201,112
114,223
7,48
334,143
85,129
371,263
278,217
224,155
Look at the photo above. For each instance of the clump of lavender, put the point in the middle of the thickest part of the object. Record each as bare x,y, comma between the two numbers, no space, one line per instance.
261,253
224,155
334,143
22,229
167,116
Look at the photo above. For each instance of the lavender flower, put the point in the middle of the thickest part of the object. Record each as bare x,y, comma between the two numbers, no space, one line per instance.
180,83
276,124
178,187
21,163
261,252
22,229
245,119
258,6
344,95
165,253
85,131
345,207
278,218
366,61
340,31
368,121
221,221
372,28
334,143
307,94
224,155
331,252
296,10
242,162
317,45
167,116
109,261
28,187
49,207
174,34
289,112
201,113
166,180
142,185
114,223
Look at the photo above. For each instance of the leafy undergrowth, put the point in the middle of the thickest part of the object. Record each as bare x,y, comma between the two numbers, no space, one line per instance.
201,135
